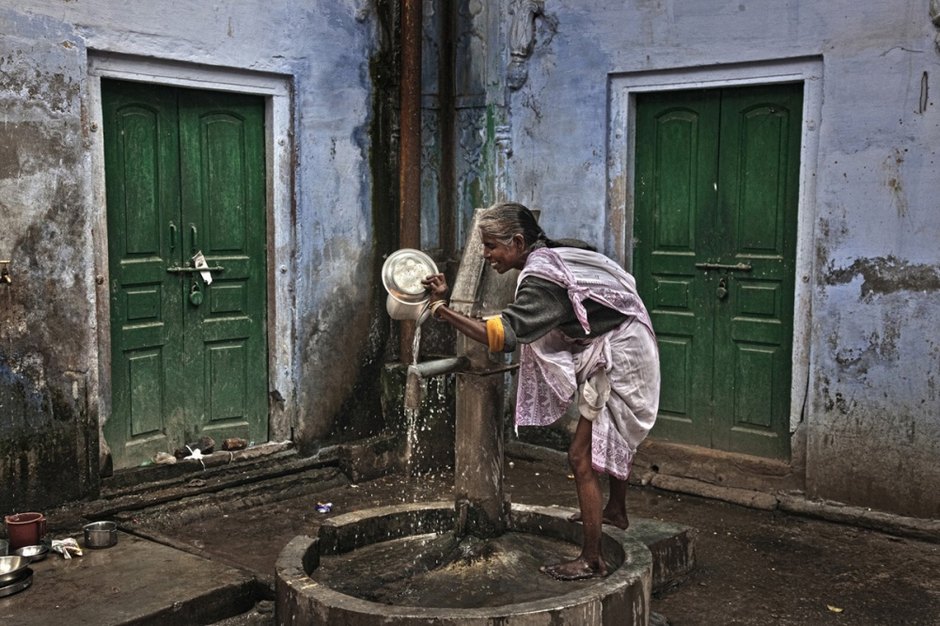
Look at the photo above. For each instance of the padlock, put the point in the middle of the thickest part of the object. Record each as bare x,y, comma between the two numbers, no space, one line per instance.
722,291
195,294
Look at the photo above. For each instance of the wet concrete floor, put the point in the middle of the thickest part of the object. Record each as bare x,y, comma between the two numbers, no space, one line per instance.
753,567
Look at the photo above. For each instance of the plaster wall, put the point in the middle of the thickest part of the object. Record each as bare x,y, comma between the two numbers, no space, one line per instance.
53,375
869,431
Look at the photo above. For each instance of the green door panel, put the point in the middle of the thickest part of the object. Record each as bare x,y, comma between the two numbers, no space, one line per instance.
675,209
716,183
184,172
141,161
758,186
223,197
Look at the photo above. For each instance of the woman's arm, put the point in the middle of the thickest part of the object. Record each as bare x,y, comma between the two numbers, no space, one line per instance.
474,329
437,285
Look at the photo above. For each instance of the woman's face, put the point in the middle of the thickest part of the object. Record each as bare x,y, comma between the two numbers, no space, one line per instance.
503,257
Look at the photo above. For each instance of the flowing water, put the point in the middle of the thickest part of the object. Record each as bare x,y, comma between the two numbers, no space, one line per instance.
416,345
414,391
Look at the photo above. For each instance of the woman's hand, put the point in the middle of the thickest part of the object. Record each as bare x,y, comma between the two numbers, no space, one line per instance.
436,285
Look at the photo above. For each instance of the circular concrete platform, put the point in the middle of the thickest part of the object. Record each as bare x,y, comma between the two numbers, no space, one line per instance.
306,597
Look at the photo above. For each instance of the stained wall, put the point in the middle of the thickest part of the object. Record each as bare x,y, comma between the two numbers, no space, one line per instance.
531,98
868,432
53,374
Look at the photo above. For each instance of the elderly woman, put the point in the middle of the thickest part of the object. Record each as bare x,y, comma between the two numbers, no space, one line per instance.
580,326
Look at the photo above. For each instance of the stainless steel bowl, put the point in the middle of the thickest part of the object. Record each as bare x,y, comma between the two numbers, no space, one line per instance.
100,534
403,272
398,310
33,553
12,568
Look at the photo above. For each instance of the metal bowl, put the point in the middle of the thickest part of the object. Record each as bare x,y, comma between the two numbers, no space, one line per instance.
100,534
398,310
33,553
12,568
403,272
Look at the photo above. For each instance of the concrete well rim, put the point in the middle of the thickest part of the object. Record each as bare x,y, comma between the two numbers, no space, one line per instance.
293,576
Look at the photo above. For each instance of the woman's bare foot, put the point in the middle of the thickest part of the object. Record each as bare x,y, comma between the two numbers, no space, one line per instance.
578,569
622,523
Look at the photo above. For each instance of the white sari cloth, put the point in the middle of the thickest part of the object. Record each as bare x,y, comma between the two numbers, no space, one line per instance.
617,373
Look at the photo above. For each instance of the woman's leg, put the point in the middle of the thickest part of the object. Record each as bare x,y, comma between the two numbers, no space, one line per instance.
615,513
590,563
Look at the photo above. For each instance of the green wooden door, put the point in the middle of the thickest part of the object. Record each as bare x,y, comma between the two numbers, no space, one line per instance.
715,230
184,174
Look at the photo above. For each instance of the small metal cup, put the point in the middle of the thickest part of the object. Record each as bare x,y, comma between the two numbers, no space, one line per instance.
4,547
100,534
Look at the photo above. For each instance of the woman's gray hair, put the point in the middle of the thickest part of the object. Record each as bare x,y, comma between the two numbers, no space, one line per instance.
503,220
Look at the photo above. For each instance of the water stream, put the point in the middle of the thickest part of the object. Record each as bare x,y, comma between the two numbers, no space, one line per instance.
414,391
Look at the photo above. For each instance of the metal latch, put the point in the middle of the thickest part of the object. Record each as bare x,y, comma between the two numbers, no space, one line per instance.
199,265
737,267
182,270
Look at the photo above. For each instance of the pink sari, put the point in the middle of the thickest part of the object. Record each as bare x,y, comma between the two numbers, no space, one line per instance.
617,373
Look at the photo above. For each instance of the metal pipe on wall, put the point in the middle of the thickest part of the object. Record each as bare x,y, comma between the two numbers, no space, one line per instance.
409,168
447,112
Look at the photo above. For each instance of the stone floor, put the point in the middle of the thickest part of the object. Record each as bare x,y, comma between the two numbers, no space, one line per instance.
753,567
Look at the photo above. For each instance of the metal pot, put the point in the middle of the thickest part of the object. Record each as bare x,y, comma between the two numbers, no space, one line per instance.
402,274
398,310
100,534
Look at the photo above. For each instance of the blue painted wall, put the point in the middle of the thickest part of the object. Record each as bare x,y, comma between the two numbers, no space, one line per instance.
534,127
53,372
869,434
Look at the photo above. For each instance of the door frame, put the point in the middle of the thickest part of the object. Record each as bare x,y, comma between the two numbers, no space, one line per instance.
622,89
281,231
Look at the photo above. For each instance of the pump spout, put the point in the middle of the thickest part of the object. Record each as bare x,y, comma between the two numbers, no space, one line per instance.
419,372
437,367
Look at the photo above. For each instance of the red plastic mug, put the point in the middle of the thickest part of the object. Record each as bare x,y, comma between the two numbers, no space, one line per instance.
25,529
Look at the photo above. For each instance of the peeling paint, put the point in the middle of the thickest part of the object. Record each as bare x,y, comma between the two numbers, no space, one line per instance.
30,87
886,275
877,348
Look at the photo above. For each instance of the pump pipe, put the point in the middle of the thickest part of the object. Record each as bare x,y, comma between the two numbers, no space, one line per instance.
409,160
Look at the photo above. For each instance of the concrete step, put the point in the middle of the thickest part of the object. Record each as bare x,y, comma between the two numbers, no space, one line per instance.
672,546
135,582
